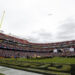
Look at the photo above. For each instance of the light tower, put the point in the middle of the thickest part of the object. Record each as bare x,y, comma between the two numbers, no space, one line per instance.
2,20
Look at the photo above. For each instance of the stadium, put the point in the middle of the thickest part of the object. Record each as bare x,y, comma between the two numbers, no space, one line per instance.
14,47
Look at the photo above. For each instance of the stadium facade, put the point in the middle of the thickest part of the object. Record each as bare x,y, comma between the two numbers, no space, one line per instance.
14,47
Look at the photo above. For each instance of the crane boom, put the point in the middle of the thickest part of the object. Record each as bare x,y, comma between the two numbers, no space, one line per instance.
2,20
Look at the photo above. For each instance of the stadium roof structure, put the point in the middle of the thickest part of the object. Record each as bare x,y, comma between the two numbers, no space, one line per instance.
15,39
56,43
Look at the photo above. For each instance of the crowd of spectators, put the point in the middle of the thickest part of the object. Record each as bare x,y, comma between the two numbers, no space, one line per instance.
14,47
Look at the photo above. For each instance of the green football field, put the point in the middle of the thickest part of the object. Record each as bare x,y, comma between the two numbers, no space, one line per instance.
61,60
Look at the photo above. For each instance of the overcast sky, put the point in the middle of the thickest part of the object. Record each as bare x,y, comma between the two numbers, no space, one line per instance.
38,21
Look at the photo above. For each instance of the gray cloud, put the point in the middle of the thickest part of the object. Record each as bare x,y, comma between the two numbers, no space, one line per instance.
67,30
40,36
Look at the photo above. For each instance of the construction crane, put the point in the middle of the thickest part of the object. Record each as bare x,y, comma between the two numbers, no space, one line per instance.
2,19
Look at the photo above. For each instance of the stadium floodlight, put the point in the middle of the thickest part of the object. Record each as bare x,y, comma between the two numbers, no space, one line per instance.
2,19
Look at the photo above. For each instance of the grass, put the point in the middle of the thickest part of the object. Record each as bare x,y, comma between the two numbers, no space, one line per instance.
60,60
64,68
2,74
